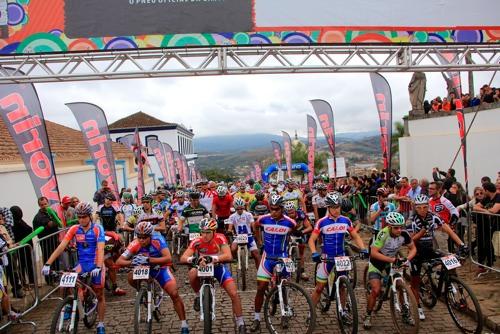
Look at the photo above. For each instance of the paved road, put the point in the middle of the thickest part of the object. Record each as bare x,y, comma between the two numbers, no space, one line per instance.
120,310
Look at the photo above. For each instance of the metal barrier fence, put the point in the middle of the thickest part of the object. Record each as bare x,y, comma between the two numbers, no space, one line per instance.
18,266
483,237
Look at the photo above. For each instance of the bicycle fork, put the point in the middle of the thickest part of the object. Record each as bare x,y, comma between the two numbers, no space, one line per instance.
212,292
285,312
397,305
240,249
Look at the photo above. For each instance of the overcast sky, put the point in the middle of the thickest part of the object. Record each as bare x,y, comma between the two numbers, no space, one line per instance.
242,104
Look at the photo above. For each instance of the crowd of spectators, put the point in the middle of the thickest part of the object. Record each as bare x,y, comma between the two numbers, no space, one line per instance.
487,95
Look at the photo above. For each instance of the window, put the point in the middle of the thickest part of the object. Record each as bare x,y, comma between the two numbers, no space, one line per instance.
148,138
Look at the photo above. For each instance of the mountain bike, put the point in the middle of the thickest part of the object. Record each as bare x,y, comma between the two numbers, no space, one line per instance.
242,259
439,279
148,299
81,303
340,290
287,306
404,311
294,254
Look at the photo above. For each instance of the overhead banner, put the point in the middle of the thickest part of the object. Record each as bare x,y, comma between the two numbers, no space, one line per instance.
159,153
95,25
23,117
312,129
94,126
277,151
324,113
383,100
287,144
137,148
169,155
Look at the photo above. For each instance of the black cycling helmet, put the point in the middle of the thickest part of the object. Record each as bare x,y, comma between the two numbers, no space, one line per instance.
333,199
194,195
147,197
276,200
346,205
259,195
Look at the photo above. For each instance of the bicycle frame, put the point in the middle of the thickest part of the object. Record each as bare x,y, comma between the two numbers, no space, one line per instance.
277,273
444,274
334,279
242,248
395,276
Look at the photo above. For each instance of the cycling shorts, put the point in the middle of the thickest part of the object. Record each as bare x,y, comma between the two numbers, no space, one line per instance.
97,281
162,276
251,245
324,269
374,273
266,267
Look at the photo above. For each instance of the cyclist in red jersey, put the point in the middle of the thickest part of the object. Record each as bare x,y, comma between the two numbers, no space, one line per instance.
221,207
442,207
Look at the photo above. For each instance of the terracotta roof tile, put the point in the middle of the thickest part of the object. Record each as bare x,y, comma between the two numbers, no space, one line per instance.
66,143
139,119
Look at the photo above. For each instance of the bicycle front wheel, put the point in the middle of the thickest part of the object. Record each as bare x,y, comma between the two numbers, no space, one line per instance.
404,309
463,306
348,315
207,309
61,320
141,316
295,313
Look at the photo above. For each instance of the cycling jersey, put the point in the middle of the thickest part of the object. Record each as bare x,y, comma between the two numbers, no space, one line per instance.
333,233
388,245
259,208
86,243
443,208
108,214
162,206
247,197
319,201
193,216
127,209
276,234
223,205
431,222
293,196
241,223
178,208
380,221
155,217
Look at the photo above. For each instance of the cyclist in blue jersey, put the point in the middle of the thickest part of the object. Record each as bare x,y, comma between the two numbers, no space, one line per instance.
90,241
276,229
178,205
151,249
332,229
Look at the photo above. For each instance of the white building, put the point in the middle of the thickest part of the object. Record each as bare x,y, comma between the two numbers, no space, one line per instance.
434,142
176,135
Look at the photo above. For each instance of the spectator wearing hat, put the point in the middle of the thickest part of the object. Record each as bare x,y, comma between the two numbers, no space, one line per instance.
68,210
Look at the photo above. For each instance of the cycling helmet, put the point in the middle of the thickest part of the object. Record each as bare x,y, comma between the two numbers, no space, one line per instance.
138,211
321,186
421,199
180,193
239,202
147,197
207,224
289,181
83,209
346,205
194,195
383,192
144,227
276,200
259,195
395,219
126,195
221,191
333,199
289,206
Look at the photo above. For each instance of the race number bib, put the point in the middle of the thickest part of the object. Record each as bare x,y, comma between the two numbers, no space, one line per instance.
451,262
289,265
206,271
193,236
242,239
68,280
141,272
343,263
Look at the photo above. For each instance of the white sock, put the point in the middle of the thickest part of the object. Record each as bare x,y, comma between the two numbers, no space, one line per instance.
100,324
184,324
239,321
257,316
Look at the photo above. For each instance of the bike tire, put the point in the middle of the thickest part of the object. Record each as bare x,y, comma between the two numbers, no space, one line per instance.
141,295
68,300
401,288
426,291
207,310
243,272
296,260
344,283
458,285
353,273
273,293
89,320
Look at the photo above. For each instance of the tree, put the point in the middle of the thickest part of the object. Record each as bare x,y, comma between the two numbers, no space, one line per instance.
217,174
398,132
300,152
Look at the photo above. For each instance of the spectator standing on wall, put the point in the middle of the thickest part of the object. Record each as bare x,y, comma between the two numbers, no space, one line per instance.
100,194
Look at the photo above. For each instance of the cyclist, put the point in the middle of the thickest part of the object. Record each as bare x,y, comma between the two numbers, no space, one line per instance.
243,194
89,238
384,251
151,215
302,230
212,247
149,248
423,224
221,207
178,205
241,222
193,214
273,189
276,228
127,210
260,206
332,228
162,202
318,201
291,193
348,210
442,206
380,209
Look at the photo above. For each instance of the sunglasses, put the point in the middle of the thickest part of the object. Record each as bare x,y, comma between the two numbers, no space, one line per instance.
142,236
276,208
478,194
